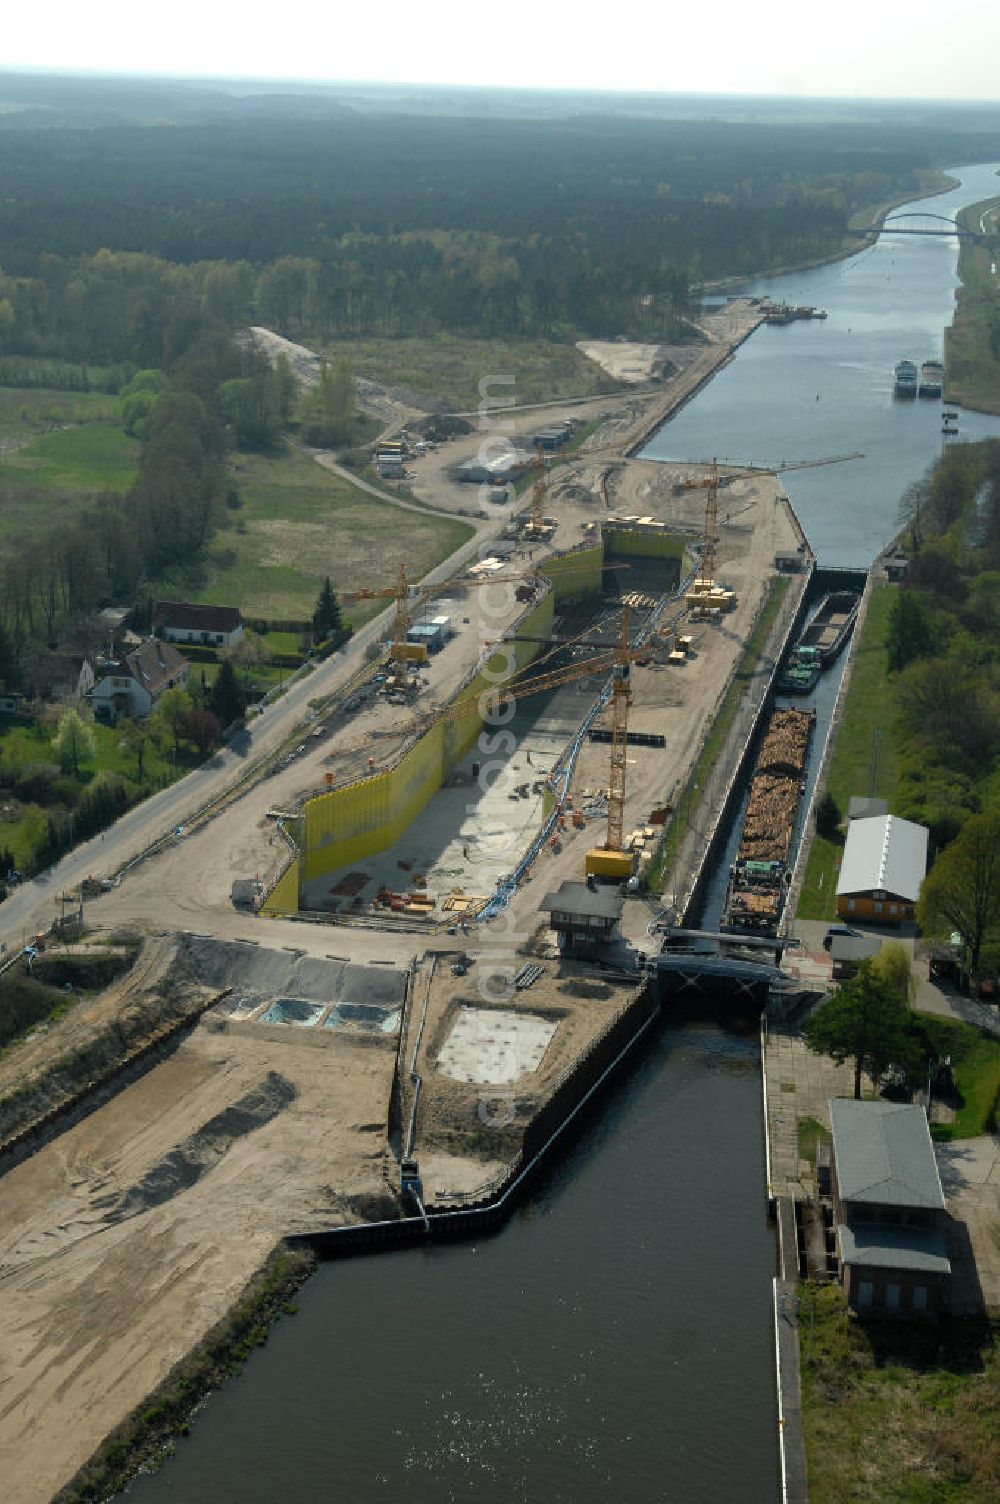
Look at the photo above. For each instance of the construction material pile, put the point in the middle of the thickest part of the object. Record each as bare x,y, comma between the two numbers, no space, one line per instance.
786,742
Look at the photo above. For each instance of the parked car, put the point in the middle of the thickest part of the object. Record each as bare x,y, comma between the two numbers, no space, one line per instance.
840,931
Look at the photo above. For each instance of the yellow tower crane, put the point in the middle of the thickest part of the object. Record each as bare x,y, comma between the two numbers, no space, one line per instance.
538,528
608,860
706,593
401,650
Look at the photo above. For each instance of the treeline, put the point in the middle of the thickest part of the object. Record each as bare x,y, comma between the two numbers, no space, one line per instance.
944,644
214,392
114,239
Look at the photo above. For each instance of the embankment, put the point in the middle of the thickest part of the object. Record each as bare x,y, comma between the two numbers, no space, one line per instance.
146,1437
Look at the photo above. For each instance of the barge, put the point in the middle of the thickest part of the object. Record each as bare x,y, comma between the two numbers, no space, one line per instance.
905,379
831,626
931,379
761,873
800,674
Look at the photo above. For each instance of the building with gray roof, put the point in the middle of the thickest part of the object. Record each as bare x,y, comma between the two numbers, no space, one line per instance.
889,1208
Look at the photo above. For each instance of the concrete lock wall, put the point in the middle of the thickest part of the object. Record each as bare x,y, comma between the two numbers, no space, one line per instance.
358,821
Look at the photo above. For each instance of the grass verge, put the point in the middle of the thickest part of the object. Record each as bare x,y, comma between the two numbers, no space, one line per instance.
146,1438
59,980
972,344
898,1413
863,747
728,710
975,1062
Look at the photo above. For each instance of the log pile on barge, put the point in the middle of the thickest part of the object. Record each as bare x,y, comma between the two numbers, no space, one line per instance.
758,879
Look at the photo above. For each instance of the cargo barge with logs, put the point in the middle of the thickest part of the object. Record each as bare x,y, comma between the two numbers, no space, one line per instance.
759,877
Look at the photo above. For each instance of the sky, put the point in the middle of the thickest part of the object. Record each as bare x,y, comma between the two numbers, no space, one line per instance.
917,49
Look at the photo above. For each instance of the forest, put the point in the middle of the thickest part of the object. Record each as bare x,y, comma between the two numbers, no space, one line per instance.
394,224
143,227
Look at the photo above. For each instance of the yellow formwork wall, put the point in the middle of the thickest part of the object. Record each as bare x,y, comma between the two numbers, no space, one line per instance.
639,543
284,896
501,666
351,824
578,573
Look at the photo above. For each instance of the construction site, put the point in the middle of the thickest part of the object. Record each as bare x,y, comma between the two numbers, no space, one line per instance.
380,973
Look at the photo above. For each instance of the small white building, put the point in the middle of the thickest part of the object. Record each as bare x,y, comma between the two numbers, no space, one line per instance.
211,626
884,863
131,686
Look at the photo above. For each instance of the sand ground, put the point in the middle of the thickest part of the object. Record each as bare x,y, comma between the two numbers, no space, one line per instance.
127,1237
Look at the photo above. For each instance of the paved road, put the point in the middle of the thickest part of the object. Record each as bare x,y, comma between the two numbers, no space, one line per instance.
33,905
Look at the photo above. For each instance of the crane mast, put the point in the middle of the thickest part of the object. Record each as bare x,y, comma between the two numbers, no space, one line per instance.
621,699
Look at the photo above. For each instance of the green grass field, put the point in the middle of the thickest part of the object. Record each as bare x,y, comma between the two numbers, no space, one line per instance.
443,371
972,354
867,712
898,1412
975,1059
26,414
52,475
299,523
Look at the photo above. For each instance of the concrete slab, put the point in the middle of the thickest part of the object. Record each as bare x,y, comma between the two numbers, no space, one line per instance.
494,1047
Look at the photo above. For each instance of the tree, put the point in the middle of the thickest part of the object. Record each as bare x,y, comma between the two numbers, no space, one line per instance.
330,414
828,817
73,742
866,1021
326,617
911,632
892,965
172,711
962,890
227,699
203,728
135,737
10,670
912,505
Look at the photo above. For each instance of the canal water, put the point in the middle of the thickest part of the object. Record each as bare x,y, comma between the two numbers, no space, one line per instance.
818,388
615,1340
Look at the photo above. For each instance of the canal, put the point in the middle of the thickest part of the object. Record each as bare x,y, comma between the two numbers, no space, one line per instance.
818,388
615,1340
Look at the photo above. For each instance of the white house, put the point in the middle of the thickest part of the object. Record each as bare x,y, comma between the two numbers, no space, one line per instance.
211,626
884,863
132,685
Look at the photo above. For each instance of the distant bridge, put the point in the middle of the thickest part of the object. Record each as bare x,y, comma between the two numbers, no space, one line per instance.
889,226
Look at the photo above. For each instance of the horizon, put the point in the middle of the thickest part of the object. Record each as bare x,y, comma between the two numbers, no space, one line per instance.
895,50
